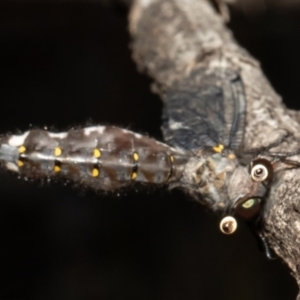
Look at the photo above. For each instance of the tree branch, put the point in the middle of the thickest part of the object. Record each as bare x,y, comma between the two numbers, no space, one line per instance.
173,38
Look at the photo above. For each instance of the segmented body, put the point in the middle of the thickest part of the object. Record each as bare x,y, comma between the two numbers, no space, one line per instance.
100,157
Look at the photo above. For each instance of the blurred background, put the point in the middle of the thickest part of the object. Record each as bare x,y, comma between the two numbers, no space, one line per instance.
66,63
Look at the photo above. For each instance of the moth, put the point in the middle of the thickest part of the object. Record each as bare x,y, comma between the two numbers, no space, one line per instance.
203,154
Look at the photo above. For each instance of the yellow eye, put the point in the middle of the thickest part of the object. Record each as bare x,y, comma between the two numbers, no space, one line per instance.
228,225
248,208
249,203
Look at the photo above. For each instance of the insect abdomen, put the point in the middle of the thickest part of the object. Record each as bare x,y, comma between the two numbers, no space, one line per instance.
99,157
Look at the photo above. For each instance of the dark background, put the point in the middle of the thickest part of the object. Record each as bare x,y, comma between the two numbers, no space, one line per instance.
64,64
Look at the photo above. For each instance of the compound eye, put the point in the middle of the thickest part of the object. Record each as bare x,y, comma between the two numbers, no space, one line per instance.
228,225
261,170
249,208
249,203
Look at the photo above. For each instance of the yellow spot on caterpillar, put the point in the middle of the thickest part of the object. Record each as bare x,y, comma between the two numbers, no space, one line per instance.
171,158
57,151
219,148
95,172
135,156
20,163
231,156
134,175
57,169
22,149
97,153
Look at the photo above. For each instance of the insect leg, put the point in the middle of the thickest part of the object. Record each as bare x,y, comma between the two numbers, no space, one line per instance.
261,238
265,245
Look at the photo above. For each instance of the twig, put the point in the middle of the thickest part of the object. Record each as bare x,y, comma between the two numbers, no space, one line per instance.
173,38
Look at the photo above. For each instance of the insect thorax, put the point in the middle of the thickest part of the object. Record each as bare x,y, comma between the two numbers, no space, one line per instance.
209,175
220,180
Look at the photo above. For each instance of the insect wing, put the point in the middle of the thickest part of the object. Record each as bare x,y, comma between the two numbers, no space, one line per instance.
205,110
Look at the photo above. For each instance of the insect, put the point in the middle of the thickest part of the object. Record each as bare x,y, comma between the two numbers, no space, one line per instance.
72,218
203,154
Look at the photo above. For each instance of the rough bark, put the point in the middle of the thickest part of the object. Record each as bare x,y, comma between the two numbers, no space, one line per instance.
174,37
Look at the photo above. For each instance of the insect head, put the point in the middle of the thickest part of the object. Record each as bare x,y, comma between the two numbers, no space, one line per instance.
248,206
